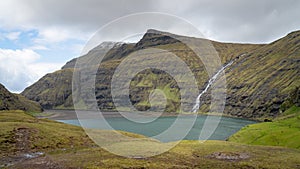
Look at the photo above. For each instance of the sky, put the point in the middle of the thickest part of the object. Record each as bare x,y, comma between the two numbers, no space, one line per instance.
39,37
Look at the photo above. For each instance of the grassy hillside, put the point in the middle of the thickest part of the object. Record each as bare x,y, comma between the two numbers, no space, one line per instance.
10,101
17,128
52,90
283,131
188,154
258,81
57,145
258,84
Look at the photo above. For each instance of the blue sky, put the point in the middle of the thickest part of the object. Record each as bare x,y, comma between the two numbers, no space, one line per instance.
38,37
41,55
53,51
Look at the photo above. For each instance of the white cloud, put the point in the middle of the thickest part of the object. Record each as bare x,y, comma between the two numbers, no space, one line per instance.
20,68
42,69
55,38
265,20
77,48
219,20
53,35
68,25
38,47
13,35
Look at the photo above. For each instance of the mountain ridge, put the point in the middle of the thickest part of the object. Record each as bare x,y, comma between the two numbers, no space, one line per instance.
243,99
11,101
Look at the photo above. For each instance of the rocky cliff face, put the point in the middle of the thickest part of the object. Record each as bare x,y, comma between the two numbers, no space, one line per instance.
10,101
258,82
261,81
52,90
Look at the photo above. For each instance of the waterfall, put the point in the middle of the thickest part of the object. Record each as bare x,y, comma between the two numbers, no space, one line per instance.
210,82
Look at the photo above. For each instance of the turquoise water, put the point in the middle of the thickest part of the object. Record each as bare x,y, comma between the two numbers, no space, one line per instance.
226,127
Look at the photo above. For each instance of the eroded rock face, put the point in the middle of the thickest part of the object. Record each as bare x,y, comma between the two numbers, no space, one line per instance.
54,89
258,82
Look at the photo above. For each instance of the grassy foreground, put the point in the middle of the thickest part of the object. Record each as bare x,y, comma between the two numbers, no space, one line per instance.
66,146
283,131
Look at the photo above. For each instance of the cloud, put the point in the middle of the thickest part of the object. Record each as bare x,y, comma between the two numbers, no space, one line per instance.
59,28
38,47
57,34
13,35
20,68
249,21
233,20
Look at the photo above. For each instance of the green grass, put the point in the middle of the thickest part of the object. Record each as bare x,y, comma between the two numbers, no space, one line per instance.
43,135
69,147
187,154
293,111
283,131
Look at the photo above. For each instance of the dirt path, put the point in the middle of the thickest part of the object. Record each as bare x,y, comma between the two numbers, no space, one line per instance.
23,151
38,163
22,138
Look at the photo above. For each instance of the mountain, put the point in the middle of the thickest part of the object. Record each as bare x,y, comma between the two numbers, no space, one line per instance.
259,81
10,101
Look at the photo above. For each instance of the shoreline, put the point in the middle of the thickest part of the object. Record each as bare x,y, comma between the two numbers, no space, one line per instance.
60,114
70,117
55,114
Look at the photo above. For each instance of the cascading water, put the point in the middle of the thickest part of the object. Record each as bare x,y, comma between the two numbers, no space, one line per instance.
210,82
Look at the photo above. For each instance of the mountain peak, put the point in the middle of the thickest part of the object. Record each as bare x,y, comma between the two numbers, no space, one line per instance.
108,44
155,37
294,35
154,31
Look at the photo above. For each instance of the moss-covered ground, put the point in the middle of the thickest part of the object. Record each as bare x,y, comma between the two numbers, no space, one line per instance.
282,131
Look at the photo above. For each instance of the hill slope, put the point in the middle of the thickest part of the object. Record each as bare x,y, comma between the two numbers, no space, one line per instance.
283,131
258,82
27,142
10,101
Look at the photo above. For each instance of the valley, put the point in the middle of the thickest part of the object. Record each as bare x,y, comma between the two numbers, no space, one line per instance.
258,81
259,127
115,84
50,144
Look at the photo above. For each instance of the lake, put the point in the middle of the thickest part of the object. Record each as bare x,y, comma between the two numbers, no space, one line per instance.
226,127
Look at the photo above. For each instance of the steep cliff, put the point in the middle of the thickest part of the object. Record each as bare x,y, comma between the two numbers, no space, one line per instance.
258,82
